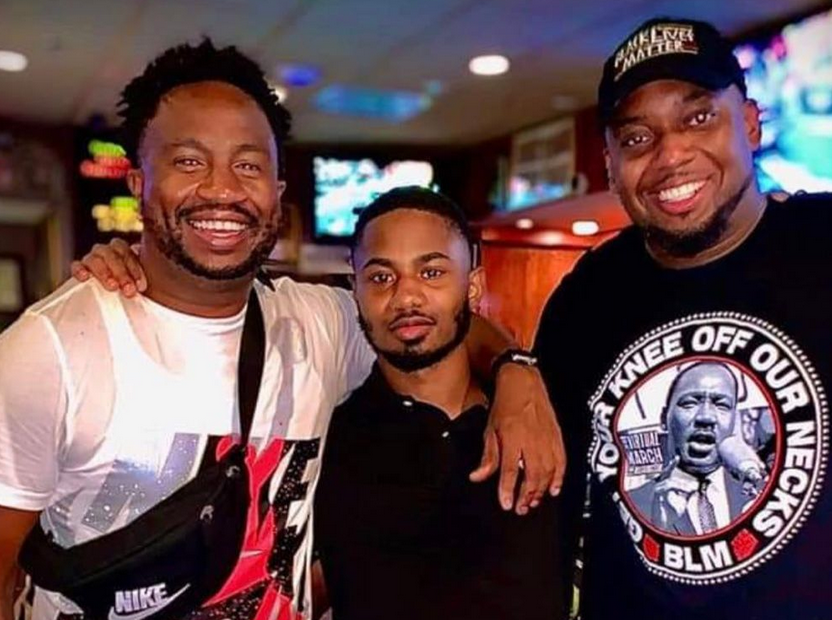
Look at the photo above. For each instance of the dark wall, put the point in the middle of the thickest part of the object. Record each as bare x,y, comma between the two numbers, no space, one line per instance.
589,149
36,166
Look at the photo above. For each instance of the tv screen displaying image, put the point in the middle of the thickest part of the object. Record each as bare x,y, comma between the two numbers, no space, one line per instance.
790,75
344,186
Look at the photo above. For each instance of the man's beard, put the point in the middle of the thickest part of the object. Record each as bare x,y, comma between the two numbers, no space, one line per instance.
168,236
692,242
412,360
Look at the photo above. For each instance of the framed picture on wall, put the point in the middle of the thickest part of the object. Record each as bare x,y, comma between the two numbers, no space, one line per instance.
12,295
542,164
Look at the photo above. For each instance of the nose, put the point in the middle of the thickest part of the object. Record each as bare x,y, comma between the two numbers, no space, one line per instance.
706,414
673,150
408,294
221,186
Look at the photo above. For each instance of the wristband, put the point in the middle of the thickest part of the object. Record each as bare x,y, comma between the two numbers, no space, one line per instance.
513,356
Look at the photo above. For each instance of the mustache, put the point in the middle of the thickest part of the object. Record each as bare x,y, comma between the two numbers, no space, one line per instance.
405,316
213,206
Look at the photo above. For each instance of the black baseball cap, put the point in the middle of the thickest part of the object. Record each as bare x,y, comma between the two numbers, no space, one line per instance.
666,48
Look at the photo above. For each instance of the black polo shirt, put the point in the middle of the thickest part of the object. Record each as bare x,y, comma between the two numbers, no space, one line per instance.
403,534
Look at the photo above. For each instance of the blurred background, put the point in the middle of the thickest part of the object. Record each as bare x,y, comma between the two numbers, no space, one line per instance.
489,101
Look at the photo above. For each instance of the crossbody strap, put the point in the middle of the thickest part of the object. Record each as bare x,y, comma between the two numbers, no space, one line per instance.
250,363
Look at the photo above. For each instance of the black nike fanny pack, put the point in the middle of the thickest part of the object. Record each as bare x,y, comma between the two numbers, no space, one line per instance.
176,556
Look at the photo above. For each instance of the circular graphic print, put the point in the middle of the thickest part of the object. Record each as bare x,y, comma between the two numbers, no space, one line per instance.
711,436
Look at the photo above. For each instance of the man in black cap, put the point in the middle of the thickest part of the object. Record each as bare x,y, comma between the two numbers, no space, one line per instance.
713,272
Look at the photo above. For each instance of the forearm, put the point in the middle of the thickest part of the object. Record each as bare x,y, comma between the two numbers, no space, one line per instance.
485,342
14,527
320,595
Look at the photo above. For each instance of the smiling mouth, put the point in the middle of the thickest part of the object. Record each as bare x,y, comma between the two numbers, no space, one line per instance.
218,225
219,232
680,192
679,199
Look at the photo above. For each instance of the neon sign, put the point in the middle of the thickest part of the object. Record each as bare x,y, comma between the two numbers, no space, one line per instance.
121,215
109,161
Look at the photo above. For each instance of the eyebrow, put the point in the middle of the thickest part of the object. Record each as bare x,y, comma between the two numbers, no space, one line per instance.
692,97
424,258
697,95
380,262
618,123
193,143
244,148
187,143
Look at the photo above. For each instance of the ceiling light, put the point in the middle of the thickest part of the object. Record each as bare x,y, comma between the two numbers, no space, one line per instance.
550,238
12,61
489,65
585,228
524,223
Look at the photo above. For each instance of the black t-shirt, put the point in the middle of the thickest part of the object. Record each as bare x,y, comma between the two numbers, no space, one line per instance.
401,531
696,397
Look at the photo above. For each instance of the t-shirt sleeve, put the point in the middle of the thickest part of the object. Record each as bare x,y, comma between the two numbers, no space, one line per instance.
354,355
33,403
560,345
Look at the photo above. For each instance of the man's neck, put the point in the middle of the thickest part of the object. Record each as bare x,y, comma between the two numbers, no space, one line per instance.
743,221
174,287
447,385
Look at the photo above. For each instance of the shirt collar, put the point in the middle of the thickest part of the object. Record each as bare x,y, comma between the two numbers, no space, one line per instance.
381,395
682,480
379,392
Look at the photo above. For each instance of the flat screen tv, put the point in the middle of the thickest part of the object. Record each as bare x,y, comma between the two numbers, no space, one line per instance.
345,186
789,73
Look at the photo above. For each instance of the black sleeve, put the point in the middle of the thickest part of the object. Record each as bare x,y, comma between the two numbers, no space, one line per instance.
327,493
519,586
561,346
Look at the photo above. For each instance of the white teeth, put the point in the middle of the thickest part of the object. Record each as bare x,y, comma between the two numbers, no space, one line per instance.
221,225
680,192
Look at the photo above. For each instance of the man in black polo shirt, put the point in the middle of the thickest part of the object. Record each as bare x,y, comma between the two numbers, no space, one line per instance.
401,530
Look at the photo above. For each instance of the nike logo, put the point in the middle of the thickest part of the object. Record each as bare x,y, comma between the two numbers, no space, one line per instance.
142,602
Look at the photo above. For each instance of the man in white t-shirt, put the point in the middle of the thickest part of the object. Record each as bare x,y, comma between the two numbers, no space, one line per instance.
109,404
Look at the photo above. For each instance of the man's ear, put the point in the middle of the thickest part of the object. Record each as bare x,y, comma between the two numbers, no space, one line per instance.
135,182
751,118
608,166
476,288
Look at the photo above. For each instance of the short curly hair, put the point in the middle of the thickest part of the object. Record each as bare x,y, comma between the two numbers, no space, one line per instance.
418,199
187,64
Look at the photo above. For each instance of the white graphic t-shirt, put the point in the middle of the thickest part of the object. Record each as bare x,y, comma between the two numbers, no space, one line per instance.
108,405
